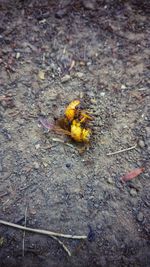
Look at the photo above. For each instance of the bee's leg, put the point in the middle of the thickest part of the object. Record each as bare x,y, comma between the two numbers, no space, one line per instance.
85,117
83,120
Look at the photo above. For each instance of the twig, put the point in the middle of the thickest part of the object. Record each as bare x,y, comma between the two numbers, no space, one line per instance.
61,141
123,150
63,245
42,232
24,233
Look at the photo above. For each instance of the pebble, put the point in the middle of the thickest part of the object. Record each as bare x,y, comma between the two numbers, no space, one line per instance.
110,180
36,165
133,192
17,55
65,78
81,95
79,74
141,144
93,101
96,205
123,86
45,164
140,217
89,4
102,94
37,146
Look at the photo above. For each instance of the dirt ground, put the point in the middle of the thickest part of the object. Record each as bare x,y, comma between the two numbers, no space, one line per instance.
50,54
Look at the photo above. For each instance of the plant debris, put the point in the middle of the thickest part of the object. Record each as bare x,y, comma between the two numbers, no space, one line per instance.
132,174
53,235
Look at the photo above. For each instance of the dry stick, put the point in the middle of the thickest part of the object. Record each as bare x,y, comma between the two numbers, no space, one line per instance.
62,244
61,141
42,232
24,233
123,150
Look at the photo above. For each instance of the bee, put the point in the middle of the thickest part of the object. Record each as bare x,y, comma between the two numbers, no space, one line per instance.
74,111
73,123
71,110
78,133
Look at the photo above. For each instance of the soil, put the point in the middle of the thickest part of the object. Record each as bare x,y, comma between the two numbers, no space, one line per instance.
50,54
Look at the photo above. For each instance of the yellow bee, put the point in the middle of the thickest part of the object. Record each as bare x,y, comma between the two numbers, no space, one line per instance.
72,124
73,111
78,133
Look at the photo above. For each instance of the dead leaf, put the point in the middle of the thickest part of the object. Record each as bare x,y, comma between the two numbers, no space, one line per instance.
132,174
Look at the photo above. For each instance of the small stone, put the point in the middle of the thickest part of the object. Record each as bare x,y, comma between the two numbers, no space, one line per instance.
133,192
36,165
110,180
81,95
18,55
140,217
141,144
79,74
102,94
65,78
41,75
96,205
89,4
45,164
93,101
37,146
89,63
123,86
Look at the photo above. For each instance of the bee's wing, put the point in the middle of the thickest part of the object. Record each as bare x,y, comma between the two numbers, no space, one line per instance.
46,124
59,130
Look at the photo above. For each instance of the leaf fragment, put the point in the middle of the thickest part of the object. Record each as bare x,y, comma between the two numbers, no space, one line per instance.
132,174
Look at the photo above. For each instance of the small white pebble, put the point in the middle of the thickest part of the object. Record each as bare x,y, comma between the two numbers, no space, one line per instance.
123,86
102,94
37,146
18,55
